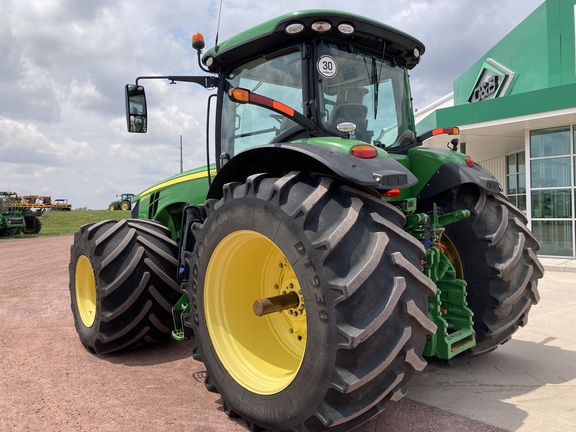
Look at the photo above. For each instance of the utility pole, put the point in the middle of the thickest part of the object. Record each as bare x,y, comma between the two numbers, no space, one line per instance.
181,168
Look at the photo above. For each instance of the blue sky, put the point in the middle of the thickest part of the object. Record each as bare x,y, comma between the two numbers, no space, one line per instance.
65,62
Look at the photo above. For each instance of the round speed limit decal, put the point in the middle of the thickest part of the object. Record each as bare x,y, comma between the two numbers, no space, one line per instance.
327,67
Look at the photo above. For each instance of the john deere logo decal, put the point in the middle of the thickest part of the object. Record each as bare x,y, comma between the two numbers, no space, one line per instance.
493,81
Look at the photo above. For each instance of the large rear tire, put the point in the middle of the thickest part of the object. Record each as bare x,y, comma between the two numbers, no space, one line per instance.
33,225
354,337
122,284
495,253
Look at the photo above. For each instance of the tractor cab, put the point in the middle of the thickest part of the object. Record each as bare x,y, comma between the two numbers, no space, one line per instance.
341,90
305,75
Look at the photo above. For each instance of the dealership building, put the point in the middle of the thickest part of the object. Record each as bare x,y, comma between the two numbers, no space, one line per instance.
516,109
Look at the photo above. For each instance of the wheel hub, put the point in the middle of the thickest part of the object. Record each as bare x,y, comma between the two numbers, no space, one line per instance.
262,353
85,287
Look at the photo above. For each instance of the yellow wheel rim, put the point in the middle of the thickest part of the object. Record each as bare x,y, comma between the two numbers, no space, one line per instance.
452,254
124,206
85,291
111,207
262,353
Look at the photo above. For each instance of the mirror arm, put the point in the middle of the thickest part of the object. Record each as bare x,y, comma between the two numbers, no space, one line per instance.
208,82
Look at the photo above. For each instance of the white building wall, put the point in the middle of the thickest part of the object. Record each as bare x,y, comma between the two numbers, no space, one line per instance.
497,166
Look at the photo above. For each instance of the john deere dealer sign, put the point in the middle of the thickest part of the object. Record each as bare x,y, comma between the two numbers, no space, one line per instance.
493,81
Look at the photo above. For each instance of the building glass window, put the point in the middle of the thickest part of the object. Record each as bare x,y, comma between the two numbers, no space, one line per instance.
551,172
555,237
550,142
516,179
552,159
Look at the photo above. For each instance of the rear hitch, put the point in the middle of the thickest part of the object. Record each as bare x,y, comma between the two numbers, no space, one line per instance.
448,309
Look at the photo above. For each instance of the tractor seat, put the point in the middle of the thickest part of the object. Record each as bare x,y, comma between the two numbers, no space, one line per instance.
355,113
349,108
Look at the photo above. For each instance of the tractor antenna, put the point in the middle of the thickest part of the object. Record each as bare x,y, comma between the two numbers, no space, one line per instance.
218,26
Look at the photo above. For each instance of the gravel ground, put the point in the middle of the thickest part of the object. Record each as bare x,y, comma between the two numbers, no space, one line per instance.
49,382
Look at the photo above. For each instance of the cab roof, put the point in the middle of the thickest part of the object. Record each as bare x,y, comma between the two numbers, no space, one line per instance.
272,34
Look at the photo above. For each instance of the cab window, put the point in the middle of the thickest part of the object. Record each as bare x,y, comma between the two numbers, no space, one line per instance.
278,77
363,88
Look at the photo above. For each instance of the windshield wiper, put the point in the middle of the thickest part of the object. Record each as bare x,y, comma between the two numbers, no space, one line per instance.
375,83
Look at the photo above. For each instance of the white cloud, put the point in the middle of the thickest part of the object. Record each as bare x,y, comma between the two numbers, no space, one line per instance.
65,62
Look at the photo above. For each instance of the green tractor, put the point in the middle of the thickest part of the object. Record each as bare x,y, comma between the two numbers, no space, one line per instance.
14,219
323,254
124,203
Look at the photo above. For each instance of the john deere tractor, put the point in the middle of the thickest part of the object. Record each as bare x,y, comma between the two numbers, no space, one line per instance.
323,254
123,203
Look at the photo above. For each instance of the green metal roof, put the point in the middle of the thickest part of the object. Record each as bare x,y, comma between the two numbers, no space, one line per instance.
537,101
540,52
262,37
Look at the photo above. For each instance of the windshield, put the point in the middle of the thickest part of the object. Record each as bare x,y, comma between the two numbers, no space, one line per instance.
278,77
362,88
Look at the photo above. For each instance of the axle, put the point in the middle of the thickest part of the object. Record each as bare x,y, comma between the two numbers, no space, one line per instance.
276,304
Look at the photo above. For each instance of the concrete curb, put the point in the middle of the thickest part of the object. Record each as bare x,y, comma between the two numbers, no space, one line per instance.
559,269
559,264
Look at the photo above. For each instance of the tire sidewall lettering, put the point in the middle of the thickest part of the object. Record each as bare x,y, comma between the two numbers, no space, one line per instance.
314,282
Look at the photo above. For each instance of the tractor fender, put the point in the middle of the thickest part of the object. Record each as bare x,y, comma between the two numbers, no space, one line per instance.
380,173
453,174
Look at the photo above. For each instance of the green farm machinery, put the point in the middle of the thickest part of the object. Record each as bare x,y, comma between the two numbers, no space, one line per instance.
123,203
323,254
16,218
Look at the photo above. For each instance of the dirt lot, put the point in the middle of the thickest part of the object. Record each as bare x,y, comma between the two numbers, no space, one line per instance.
49,382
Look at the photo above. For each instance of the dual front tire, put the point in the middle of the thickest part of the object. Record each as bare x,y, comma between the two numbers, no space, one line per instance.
123,284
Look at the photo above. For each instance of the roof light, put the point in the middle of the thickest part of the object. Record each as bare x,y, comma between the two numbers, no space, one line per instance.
208,61
416,52
469,161
346,28
198,41
364,151
294,28
321,26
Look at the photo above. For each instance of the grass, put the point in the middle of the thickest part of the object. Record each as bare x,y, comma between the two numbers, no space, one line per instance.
68,222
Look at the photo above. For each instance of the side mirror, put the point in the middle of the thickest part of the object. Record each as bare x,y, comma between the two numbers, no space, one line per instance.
136,117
